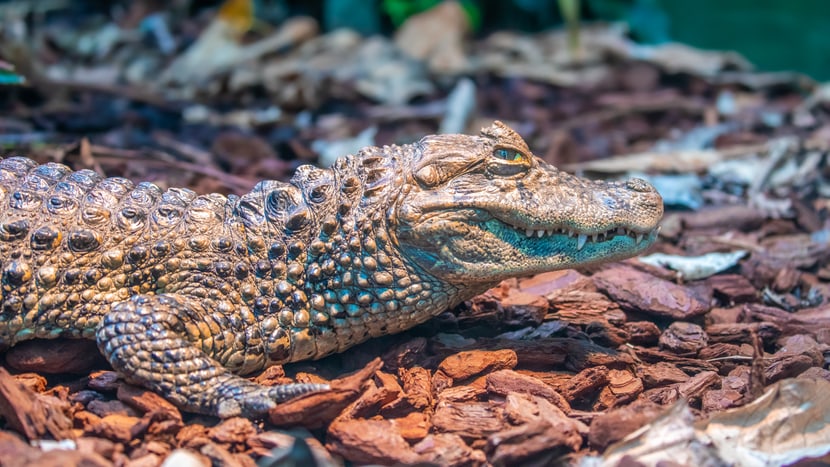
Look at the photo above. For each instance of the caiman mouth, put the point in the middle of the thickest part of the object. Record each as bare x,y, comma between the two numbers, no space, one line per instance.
584,238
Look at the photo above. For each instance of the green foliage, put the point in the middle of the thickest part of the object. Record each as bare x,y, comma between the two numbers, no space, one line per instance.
399,10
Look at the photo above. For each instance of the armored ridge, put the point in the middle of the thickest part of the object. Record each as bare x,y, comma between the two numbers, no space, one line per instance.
183,293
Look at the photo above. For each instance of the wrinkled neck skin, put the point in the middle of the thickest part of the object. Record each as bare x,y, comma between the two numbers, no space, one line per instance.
323,244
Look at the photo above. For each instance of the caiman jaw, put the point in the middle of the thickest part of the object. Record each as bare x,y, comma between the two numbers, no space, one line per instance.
583,238
483,209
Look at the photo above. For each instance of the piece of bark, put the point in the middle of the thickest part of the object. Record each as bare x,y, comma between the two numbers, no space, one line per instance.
683,339
376,393
525,408
102,408
660,374
232,433
623,386
533,443
724,218
55,356
466,364
617,423
688,365
602,332
580,306
722,350
369,442
803,345
104,380
147,401
717,400
30,414
738,379
726,357
218,455
697,385
541,353
541,432
583,354
32,381
440,382
786,280
417,387
470,420
642,332
736,333
586,384
733,288
785,366
192,436
462,394
724,315
83,419
272,376
318,409
116,428
810,321
413,427
158,426
448,449
520,308
503,382
637,291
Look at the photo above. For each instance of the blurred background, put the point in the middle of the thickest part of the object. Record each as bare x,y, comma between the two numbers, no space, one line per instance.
229,92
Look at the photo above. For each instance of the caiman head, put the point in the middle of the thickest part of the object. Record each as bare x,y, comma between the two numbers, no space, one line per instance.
479,209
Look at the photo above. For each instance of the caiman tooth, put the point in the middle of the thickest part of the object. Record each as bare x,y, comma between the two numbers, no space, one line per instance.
594,237
580,241
529,232
539,233
639,238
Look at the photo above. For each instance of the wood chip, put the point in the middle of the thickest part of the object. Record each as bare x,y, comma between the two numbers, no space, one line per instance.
623,386
30,414
316,410
661,374
369,442
683,338
617,423
470,420
637,291
504,382
466,364
146,401
448,449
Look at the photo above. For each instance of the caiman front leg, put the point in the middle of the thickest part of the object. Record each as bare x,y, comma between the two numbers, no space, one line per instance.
155,341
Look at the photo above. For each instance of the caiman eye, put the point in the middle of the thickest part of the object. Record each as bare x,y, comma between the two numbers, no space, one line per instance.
510,155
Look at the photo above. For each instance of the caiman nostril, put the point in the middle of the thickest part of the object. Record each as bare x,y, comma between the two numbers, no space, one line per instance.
638,184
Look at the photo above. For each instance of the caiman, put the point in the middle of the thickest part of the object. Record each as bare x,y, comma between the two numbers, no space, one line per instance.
184,293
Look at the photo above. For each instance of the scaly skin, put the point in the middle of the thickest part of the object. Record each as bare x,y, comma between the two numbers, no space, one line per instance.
183,293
